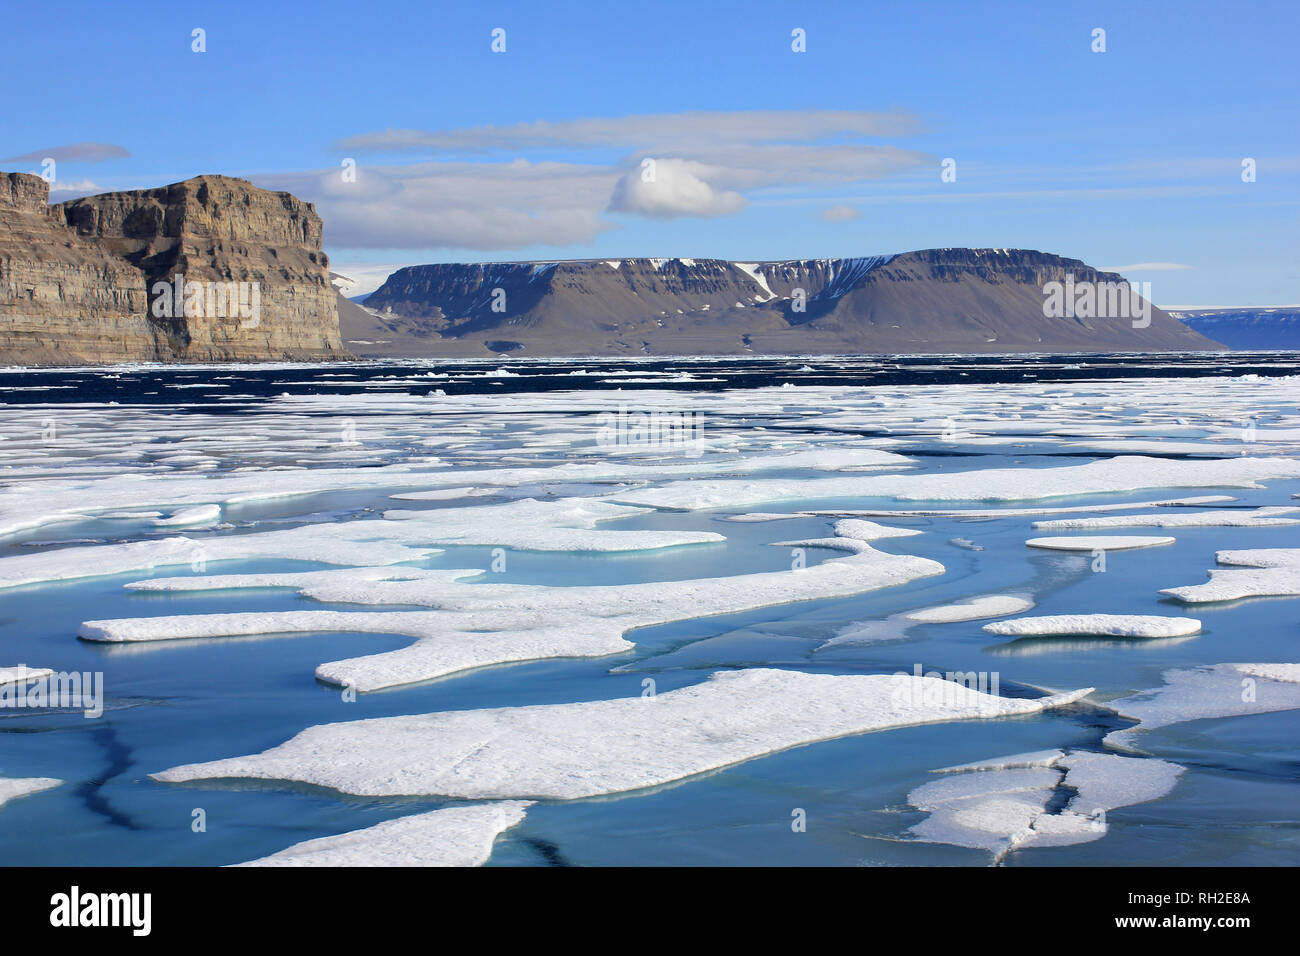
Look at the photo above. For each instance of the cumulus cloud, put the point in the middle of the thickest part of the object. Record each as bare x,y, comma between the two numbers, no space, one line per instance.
668,188
77,152
841,213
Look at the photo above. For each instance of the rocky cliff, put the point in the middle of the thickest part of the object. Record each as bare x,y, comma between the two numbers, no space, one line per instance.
935,300
206,270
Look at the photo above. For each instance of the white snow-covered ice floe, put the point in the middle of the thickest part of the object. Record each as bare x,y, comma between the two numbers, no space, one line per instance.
1226,518
990,605
455,836
1099,542
197,515
1097,625
11,788
895,626
1260,572
568,524
576,750
59,498
1109,476
1009,803
1022,512
477,625
851,534
1198,693
22,674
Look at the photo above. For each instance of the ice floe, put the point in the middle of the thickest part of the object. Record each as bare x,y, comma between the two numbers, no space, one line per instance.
1262,572
1099,625
22,674
990,605
1098,542
455,836
576,750
525,524
1022,512
896,626
529,525
1199,693
478,625
1111,476
11,788
1011,803
851,534
24,506
197,515
1255,518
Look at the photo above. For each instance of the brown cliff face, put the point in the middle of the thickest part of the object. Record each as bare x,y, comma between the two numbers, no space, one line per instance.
63,301
81,282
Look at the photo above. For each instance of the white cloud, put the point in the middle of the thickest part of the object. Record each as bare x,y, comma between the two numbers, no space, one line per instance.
76,153
672,188
658,132
841,213
706,164
1149,267
74,190
484,206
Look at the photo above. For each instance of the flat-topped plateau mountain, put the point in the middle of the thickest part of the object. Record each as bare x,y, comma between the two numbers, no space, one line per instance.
1249,328
934,300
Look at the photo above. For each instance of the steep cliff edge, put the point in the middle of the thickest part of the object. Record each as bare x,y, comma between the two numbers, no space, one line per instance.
934,300
210,269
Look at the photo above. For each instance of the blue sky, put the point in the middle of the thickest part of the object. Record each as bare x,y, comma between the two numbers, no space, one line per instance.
1128,158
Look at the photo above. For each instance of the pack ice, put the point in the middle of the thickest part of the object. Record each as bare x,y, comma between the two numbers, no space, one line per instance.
483,624
1259,572
1009,803
455,836
1199,693
571,751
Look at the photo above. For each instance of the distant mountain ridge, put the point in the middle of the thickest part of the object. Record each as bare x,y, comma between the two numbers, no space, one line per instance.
1246,329
934,300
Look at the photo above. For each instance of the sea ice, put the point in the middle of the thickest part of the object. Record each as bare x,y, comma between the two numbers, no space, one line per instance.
1099,542
22,674
1218,690
1022,512
1263,572
197,515
1102,625
1256,518
11,788
1005,804
1110,476
478,625
571,751
991,605
526,524
455,836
